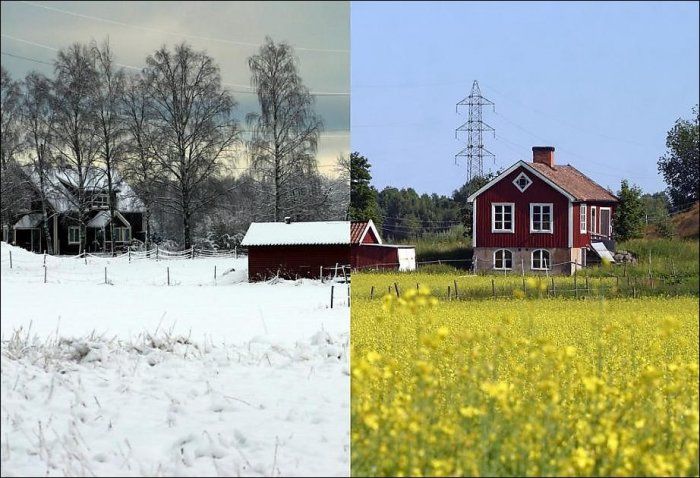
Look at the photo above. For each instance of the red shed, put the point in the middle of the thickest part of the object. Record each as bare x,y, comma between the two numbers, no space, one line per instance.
540,216
369,252
296,249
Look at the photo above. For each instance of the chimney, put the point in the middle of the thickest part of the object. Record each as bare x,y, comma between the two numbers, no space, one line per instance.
287,220
543,155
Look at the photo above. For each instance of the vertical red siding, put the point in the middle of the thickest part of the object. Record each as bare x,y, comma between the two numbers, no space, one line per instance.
370,238
374,257
537,192
294,261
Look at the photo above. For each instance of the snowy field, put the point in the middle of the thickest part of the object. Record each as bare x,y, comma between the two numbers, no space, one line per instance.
204,376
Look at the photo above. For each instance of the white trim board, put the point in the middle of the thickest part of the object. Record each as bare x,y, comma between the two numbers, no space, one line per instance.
528,168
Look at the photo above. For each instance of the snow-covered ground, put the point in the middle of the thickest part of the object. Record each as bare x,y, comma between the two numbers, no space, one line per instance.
202,377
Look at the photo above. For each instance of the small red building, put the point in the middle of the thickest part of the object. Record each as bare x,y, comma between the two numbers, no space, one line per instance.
293,250
540,216
369,252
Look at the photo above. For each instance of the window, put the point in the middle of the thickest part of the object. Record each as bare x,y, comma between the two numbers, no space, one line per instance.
522,182
73,235
540,260
503,259
502,217
541,218
100,200
594,220
122,234
582,218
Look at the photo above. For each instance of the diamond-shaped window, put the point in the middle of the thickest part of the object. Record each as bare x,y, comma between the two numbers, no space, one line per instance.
522,182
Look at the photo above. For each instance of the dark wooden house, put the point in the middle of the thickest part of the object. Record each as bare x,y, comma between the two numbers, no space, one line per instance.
63,218
293,250
369,252
540,216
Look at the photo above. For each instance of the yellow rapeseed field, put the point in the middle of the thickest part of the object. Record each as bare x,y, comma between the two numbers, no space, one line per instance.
523,387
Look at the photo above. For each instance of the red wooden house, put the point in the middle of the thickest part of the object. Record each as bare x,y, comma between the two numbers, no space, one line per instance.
540,216
369,252
294,250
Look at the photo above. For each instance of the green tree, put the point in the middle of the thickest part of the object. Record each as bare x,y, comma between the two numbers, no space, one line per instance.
466,209
680,166
629,217
363,196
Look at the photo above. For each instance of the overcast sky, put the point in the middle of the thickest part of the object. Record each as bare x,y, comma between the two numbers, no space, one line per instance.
229,31
601,82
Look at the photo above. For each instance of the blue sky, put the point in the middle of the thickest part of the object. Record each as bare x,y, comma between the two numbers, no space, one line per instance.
601,82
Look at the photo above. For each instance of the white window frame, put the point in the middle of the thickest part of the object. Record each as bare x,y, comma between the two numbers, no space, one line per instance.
607,233
515,181
583,218
100,200
594,220
117,235
551,217
511,205
70,229
549,260
504,268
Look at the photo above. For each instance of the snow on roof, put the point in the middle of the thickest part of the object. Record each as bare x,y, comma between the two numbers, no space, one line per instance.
28,221
62,181
297,233
101,219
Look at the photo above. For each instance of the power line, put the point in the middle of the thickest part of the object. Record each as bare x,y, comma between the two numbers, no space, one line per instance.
164,32
26,58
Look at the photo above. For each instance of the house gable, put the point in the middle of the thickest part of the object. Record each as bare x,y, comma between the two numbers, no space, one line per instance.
504,190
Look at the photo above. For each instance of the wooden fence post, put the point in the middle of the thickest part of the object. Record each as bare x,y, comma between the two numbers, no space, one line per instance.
44,257
129,254
456,290
332,288
576,285
156,252
214,273
554,289
449,295
493,288
348,295
105,274
10,259
371,293
396,288
192,252
44,274
168,269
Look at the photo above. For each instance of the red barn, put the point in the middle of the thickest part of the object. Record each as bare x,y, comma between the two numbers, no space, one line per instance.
369,252
540,216
296,249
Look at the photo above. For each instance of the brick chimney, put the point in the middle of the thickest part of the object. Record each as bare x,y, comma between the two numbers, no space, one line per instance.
543,155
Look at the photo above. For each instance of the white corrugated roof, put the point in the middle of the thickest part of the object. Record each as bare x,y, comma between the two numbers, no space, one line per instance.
297,233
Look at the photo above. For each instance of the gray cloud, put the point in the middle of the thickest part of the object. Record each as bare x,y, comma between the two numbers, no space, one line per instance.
229,32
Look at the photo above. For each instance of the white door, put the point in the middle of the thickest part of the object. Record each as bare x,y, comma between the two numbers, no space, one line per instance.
605,221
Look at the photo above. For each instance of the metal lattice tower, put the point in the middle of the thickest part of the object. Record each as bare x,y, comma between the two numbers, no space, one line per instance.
475,127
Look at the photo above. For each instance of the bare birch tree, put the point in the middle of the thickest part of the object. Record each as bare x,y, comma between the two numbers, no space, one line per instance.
37,121
11,190
285,132
109,92
75,139
141,167
192,117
